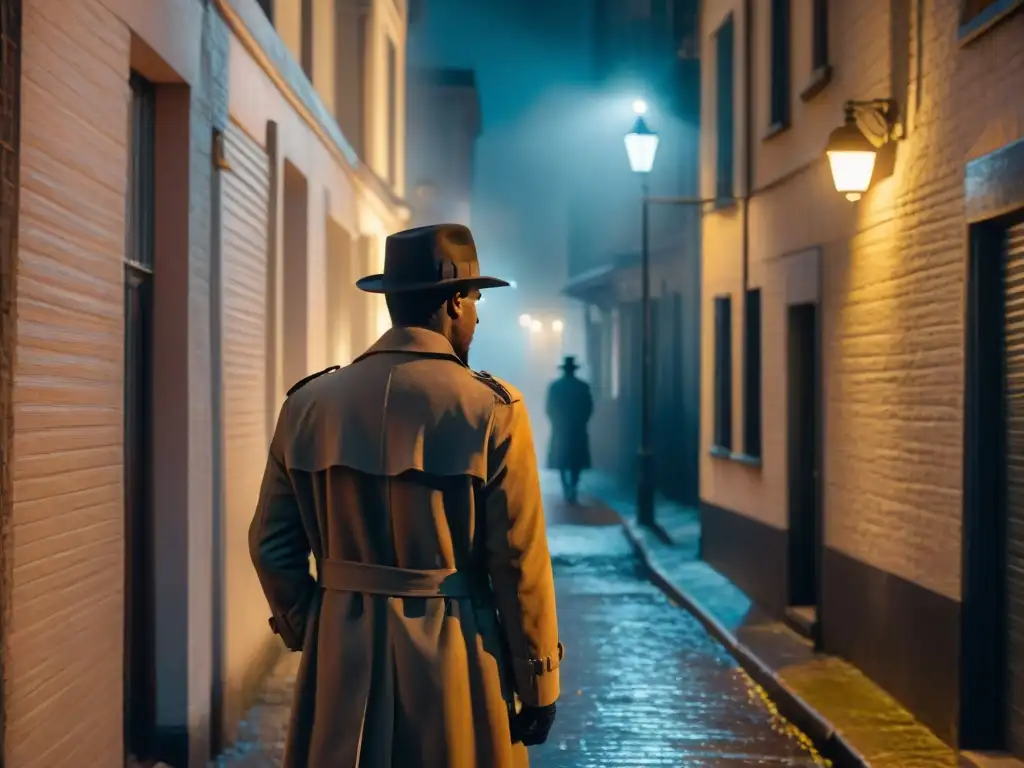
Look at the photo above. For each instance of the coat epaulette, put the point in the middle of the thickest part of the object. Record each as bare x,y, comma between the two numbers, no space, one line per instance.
303,382
499,389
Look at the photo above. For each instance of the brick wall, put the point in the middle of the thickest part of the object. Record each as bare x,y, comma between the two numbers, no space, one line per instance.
64,661
893,281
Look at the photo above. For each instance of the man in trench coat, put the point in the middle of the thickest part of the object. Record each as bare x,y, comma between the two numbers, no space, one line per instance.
413,481
569,408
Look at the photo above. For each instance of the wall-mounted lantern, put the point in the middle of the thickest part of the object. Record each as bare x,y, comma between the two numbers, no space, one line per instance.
853,146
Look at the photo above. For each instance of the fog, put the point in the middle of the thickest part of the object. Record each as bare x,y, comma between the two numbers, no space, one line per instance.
550,156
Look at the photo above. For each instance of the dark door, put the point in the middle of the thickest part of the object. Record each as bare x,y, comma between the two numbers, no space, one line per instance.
140,682
804,523
992,618
1013,289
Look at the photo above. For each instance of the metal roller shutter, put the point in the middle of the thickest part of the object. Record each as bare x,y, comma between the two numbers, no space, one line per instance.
1014,340
246,197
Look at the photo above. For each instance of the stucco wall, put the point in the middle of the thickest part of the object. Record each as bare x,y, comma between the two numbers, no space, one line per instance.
893,278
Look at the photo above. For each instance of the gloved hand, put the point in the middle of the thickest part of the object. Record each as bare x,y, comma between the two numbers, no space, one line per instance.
532,724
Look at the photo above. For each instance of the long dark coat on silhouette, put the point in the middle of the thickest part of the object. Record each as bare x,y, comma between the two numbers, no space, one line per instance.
414,482
569,407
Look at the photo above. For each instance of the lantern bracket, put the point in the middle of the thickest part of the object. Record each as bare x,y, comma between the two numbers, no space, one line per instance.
878,119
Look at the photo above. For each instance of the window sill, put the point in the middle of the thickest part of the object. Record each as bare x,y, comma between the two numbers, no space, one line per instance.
724,203
775,129
820,78
726,454
995,14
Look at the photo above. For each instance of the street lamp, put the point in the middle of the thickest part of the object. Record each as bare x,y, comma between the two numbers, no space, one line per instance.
852,152
557,326
641,149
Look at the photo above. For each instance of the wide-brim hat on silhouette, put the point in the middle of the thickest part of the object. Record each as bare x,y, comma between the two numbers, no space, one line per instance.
569,363
429,258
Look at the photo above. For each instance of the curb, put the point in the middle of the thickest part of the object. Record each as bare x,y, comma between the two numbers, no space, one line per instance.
829,742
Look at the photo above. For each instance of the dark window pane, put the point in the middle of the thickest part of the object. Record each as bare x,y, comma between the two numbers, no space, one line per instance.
780,63
723,372
820,32
752,375
306,33
725,84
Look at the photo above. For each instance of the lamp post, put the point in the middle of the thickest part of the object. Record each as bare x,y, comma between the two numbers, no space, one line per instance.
641,148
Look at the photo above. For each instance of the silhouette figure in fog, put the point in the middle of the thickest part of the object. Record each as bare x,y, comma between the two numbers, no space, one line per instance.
413,481
569,408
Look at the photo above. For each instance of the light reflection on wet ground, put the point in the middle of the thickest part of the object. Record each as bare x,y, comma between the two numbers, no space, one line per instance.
643,684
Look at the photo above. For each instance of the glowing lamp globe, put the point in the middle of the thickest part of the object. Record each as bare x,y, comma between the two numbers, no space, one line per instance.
524,321
557,326
641,147
851,156
536,326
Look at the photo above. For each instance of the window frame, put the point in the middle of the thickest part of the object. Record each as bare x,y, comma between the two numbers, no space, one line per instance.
722,427
780,109
725,149
821,67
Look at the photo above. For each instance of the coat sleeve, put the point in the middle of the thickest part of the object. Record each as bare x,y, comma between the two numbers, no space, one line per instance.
280,549
517,555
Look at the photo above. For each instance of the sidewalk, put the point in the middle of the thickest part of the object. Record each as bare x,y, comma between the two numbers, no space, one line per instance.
852,720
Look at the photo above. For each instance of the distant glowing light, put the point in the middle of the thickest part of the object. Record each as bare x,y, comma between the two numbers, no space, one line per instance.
557,326
513,284
641,147
536,326
640,107
525,320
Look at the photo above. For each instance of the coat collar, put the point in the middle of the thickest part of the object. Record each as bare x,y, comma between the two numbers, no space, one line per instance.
413,341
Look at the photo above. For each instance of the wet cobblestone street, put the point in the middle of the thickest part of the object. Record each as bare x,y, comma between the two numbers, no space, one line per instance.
643,685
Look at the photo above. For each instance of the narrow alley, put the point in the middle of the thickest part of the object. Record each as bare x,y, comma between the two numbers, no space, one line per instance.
642,685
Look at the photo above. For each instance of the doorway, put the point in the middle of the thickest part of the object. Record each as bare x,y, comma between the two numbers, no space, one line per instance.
139,646
804,551
992,616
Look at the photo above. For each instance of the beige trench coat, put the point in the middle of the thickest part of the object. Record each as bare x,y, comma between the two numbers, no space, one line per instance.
413,481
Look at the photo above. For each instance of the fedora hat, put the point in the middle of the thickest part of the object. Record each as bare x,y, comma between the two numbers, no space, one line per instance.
569,363
429,258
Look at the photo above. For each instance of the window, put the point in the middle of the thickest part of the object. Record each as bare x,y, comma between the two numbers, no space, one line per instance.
780,65
723,372
821,70
268,9
306,27
392,112
724,128
752,375
819,32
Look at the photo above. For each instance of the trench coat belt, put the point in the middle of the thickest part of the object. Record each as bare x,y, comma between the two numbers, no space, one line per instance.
371,579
